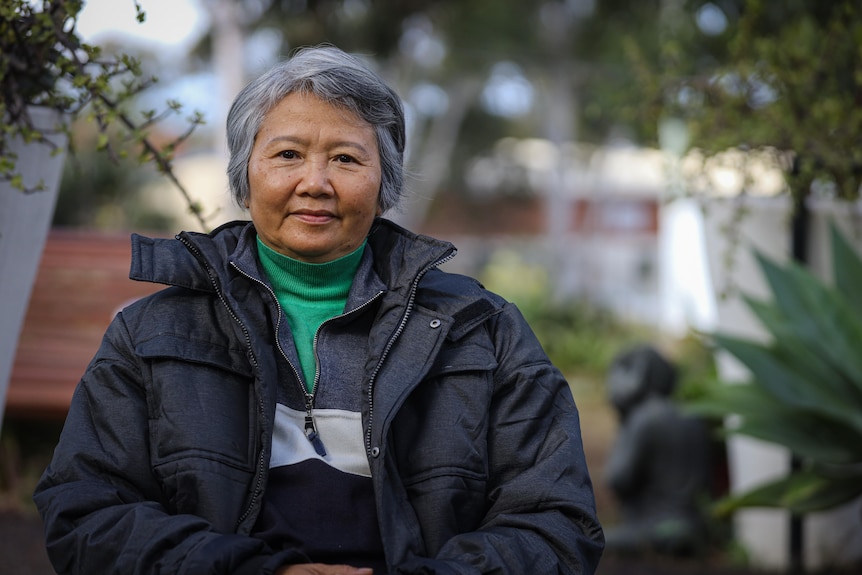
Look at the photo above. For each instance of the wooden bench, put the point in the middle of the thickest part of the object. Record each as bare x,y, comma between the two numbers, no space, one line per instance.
83,280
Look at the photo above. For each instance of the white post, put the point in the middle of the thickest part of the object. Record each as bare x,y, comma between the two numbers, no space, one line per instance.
25,219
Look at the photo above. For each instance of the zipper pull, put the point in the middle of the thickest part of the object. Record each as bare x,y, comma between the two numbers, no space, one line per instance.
312,435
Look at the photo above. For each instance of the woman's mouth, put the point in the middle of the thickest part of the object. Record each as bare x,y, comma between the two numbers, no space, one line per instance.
314,217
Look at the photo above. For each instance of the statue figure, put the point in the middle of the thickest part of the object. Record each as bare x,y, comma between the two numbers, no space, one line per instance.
659,465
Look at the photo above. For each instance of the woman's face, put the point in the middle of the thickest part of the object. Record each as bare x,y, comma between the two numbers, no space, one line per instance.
314,179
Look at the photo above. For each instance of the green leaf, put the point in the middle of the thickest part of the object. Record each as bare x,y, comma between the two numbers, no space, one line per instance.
847,269
724,399
140,15
841,375
817,316
788,385
801,492
812,437
809,435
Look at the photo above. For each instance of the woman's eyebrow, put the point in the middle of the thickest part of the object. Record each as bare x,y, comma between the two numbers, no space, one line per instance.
303,141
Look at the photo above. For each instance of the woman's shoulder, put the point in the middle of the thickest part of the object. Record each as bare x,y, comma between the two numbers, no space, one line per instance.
170,309
440,283
458,295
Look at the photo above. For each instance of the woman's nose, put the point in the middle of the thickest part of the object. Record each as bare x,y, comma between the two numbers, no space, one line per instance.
315,179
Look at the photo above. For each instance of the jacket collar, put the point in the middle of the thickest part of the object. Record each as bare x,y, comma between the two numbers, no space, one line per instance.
188,259
400,255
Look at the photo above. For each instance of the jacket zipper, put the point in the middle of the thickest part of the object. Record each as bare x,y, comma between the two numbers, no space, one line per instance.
310,431
261,463
395,335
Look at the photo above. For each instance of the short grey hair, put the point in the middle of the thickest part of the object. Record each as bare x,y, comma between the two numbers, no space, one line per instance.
336,77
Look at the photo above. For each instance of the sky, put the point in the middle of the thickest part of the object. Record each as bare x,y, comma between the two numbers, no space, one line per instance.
170,24
169,31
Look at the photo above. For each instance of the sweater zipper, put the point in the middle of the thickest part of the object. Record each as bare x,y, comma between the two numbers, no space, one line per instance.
261,463
310,428
408,308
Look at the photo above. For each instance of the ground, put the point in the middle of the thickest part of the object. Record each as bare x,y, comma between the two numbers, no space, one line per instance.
22,551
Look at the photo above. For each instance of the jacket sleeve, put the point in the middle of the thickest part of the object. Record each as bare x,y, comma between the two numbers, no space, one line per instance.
542,517
102,507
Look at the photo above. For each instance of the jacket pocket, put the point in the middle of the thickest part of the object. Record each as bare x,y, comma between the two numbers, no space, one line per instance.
441,430
441,440
463,357
201,401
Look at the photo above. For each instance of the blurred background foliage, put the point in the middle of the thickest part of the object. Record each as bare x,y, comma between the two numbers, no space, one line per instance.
580,337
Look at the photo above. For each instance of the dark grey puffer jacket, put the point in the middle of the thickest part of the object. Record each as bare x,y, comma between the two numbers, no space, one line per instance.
472,436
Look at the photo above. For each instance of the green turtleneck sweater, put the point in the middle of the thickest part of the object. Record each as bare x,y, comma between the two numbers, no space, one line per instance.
309,294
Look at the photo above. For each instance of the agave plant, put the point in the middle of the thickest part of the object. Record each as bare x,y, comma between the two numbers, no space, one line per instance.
805,391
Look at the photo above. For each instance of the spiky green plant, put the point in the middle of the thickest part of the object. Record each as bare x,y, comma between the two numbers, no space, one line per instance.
805,391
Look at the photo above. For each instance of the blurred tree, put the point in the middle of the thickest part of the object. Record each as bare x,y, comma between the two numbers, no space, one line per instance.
776,77
92,183
781,77
101,191
612,99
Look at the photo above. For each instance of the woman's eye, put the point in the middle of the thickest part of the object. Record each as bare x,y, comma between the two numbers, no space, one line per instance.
344,158
288,154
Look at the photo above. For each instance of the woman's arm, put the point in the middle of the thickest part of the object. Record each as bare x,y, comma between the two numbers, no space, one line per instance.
542,517
102,507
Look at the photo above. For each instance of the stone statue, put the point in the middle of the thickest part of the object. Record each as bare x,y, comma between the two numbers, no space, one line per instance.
659,465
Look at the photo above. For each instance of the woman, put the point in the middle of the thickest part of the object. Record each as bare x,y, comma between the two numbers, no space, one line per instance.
312,395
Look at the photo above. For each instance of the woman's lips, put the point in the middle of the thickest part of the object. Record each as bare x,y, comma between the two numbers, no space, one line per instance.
314,217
